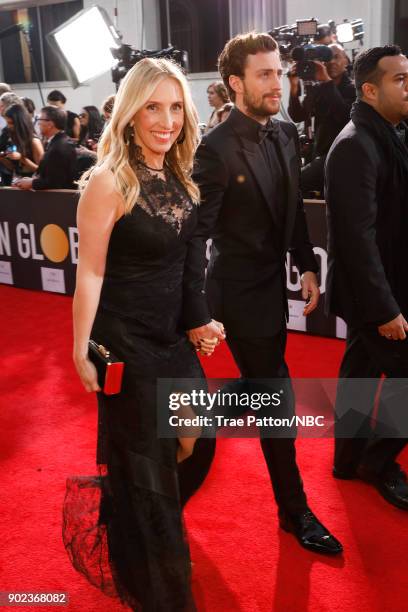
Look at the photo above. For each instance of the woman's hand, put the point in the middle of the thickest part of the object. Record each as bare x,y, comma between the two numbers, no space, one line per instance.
87,373
15,156
207,346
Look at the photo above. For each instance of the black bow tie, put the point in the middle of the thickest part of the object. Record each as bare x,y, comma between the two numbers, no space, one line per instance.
271,129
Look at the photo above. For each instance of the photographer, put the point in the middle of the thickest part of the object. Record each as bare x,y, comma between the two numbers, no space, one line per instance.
329,102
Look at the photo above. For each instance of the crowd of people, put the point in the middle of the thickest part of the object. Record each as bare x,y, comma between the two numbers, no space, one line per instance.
152,197
27,159
326,105
148,207
49,150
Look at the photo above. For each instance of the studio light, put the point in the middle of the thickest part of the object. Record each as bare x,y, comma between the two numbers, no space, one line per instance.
350,31
84,45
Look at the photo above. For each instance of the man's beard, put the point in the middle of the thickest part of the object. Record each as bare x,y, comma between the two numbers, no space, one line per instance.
256,106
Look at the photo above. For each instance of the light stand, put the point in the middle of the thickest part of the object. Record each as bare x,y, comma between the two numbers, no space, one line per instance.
16,29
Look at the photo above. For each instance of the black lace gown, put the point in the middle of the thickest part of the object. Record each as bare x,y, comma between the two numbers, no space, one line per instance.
123,530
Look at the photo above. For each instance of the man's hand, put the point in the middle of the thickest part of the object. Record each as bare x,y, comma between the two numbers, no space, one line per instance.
310,291
395,329
209,334
321,72
25,183
293,80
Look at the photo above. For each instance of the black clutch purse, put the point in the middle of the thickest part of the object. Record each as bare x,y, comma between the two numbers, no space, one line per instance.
109,368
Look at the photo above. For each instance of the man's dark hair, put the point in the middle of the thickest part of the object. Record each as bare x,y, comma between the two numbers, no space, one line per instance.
366,69
29,105
233,58
56,115
56,96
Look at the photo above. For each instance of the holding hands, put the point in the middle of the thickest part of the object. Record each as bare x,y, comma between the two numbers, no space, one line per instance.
207,337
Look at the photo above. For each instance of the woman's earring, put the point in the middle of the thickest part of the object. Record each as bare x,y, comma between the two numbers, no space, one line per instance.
181,137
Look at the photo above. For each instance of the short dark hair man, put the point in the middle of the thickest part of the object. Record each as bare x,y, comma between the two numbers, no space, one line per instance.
329,102
57,169
367,201
248,173
73,125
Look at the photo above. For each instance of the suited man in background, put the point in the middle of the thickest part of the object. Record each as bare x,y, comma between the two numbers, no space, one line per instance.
367,280
329,101
248,171
57,169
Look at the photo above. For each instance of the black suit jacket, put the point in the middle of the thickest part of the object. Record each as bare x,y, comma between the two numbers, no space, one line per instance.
246,278
57,168
362,231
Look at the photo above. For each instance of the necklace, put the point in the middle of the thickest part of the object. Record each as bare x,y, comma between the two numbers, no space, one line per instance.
150,168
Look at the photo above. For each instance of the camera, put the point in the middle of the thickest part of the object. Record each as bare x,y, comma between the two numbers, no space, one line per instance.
299,42
10,149
306,55
296,43
127,57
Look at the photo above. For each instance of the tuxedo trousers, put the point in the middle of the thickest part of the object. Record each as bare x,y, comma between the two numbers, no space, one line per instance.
369,355
257,358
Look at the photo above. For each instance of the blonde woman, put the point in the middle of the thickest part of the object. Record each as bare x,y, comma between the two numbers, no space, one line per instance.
136,215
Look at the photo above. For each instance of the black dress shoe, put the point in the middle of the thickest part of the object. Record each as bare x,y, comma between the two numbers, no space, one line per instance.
391,484
310,533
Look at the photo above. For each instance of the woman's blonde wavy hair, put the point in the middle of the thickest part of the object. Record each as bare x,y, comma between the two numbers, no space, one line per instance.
134,91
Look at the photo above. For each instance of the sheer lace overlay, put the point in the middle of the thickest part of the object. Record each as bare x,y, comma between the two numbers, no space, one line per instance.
162,195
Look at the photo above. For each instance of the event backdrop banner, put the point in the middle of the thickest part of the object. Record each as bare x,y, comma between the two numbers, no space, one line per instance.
39,250
316,322
38,239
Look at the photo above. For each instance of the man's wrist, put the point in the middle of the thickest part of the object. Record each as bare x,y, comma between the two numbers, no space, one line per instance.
198,324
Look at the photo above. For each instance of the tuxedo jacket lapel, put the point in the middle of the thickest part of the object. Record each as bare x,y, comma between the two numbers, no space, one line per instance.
257,164
255,160
286,150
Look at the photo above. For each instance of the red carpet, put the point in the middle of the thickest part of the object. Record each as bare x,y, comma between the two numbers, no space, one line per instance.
242,561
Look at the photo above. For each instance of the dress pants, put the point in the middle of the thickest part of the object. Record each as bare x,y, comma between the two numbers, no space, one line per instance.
257,358
264,358
368,355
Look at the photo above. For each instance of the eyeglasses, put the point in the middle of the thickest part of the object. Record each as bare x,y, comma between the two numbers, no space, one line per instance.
41,119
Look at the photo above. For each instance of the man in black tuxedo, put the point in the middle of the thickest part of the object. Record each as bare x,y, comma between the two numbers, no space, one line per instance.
367,281
57,169
248,173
